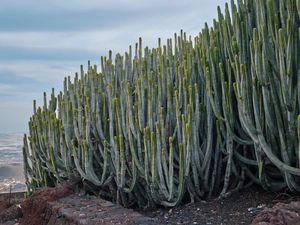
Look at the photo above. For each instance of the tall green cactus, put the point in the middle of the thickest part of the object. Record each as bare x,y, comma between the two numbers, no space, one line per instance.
159,123
252,80
272,99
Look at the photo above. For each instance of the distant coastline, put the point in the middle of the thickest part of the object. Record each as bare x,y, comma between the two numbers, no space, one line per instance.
11,162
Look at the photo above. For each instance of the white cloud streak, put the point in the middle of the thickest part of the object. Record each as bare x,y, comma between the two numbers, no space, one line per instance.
4,88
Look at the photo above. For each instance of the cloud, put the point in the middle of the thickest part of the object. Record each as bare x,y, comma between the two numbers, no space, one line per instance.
5,87
27,81
40,71
85,15
46,40
79,5
79,30
103,15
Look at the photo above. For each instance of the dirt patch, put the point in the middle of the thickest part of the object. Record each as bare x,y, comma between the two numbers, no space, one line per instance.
239,208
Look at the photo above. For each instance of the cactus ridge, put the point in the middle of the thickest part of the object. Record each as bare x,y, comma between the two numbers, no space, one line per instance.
204,116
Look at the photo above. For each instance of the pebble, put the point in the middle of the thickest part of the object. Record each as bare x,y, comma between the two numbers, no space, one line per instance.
251,209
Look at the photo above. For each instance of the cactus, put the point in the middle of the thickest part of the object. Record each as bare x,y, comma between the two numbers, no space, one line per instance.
271,101
162,122
252,82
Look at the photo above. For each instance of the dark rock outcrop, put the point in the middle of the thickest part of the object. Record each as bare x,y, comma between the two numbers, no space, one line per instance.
279,214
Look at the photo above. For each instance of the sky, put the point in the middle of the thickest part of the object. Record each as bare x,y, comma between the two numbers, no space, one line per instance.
41,42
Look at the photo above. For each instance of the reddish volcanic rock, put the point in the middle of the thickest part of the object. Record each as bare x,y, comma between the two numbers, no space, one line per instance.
279,214
34,207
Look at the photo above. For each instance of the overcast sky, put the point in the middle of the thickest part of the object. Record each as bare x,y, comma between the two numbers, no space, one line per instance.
41,42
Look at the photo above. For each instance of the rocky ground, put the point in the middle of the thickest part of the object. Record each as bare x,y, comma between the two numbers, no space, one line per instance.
10,208
238,208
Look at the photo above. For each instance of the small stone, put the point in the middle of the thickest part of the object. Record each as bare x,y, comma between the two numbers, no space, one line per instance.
251,209
213,211
261,206
83,209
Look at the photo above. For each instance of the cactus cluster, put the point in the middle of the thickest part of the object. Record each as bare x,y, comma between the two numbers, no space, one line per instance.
197,118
